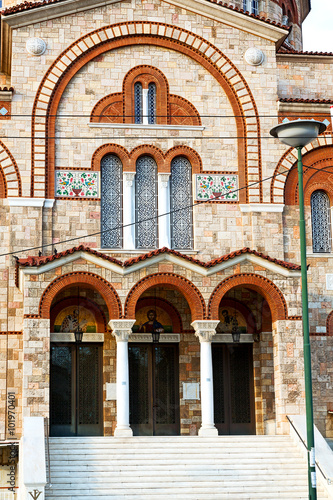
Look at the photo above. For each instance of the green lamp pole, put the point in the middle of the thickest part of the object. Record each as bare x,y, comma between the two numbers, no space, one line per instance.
298,134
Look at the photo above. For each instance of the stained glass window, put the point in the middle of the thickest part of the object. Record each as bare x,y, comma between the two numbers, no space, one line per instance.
138,108
111,202
146,203
151,103
321,222
180,203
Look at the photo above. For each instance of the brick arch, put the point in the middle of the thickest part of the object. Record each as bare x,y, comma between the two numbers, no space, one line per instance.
89,280
192,156
183,285
260,284
115,149
284,184
146,74
10,179
148,150
329,325
108,38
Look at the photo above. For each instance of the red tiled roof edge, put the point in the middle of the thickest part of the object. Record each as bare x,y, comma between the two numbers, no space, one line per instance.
38,261
288,50
33,5
6,89
299,99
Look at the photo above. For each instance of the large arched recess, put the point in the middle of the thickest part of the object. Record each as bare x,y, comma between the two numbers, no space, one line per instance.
316,155
88,280
143,33
260,284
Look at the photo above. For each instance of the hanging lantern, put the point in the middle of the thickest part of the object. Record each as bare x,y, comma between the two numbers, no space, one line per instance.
235,331
156,335
78,333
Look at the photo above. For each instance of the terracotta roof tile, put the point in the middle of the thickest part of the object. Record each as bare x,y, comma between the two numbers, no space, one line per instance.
34,5
7,89
288,50
317,101
39,261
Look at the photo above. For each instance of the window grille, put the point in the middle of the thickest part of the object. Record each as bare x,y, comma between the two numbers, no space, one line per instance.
111,202
146,203
151,103
321,222
180,203
138,102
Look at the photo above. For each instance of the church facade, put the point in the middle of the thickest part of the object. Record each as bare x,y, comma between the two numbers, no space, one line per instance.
147,213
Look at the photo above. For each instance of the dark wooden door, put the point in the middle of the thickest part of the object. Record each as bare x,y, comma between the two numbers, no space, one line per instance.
233,388
154,389
76,390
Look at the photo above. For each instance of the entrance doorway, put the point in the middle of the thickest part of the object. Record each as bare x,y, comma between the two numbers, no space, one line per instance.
76,390
233,388
154,389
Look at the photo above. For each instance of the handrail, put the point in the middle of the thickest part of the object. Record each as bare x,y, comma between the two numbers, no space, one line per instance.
305,446
47,451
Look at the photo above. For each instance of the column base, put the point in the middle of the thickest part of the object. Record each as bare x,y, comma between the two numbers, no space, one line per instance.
127,432
208,431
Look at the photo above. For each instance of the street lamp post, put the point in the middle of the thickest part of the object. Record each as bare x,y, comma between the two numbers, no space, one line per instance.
297,134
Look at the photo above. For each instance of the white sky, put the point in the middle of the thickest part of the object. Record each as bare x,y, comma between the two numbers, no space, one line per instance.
318,27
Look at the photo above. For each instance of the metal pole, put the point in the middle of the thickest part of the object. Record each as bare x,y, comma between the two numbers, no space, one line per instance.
306,336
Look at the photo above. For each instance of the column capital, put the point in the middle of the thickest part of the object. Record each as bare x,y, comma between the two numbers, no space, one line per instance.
205,329
121,328
129,178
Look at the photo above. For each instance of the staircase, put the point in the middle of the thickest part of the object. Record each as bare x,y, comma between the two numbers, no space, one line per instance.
183,467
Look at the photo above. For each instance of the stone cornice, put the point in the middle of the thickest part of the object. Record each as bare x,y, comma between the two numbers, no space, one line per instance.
238,20
302,57
52,11
303,107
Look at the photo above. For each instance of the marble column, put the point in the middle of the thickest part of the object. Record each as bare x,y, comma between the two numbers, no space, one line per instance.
164,236
129,210
121,330
205,330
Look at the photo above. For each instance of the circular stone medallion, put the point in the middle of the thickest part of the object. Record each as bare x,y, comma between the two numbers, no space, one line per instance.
254,56
35,46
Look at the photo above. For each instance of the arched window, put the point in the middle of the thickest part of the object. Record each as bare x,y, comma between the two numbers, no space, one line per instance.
146,203
251,6
151,103
180,203
111,202
138,109
321,222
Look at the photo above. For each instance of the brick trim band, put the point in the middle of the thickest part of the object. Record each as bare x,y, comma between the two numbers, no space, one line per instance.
184,286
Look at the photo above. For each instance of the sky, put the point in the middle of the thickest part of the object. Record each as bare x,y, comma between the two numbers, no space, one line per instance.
318,27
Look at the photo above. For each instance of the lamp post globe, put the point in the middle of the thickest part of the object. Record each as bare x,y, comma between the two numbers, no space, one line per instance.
298,133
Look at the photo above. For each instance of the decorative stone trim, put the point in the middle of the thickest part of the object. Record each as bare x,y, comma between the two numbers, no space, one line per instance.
147,337
254,56
205,330
121,329
10,179
35,46
262,207
70,337
150,33
226,338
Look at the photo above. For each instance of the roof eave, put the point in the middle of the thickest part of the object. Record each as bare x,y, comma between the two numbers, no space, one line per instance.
52,11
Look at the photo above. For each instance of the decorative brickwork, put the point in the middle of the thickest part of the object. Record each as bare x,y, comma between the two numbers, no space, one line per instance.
10,179
184,286
88,280
132,33
262,285
283,192
329,325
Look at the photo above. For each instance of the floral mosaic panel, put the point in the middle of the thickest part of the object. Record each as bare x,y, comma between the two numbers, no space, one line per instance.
77,184
216,187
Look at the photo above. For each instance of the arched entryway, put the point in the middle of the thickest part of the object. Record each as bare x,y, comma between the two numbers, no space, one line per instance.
78,325
243,371
159,372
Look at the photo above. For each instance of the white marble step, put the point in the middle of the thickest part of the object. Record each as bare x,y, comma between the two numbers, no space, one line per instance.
139,468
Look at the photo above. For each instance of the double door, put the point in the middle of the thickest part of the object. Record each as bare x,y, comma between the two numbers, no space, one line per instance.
154,389
76,390
233,388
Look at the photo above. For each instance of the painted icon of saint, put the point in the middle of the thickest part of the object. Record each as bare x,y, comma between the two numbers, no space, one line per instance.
152,325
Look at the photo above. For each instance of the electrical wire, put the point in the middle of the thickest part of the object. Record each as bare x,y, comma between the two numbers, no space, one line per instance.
122,226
